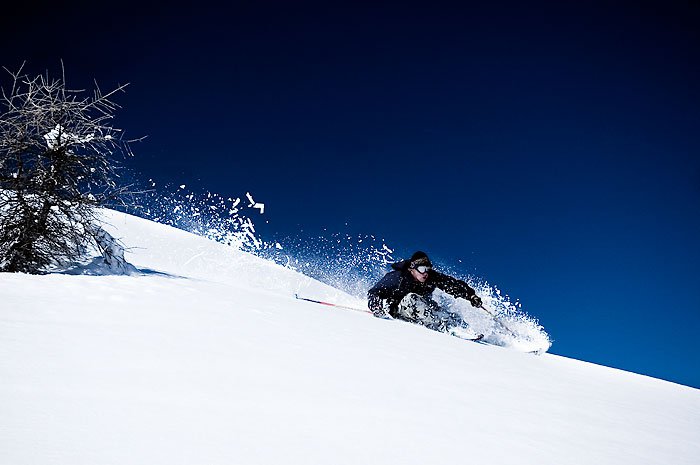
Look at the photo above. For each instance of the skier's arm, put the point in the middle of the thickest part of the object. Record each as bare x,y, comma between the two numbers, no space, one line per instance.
384,290
457,288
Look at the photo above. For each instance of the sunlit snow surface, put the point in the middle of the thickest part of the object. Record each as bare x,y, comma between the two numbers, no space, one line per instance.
204,357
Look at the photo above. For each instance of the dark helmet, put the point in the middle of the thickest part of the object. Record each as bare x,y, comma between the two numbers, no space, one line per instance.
419,258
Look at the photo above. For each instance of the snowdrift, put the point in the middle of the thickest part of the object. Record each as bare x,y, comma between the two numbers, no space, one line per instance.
205,357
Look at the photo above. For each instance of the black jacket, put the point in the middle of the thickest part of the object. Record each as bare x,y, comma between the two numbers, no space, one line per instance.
396,284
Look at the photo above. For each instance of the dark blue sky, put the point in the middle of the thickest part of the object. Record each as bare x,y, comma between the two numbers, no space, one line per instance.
554,149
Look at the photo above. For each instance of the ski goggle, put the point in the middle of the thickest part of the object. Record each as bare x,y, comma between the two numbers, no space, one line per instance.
422,269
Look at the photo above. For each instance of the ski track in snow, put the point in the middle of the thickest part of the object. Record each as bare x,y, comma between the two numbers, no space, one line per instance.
205,357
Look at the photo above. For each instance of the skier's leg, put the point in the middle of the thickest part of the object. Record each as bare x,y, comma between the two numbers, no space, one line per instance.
418,309
453,320
425,311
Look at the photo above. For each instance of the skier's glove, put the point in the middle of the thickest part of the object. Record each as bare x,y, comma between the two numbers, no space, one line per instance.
475,301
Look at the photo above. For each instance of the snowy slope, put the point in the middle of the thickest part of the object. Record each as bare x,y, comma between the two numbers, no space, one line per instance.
206,358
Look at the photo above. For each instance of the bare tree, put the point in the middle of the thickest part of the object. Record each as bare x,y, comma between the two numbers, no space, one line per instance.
57,166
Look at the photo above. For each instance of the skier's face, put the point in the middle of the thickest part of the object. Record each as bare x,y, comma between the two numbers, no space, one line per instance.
418,276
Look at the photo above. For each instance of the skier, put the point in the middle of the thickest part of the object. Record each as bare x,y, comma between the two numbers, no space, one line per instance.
406,293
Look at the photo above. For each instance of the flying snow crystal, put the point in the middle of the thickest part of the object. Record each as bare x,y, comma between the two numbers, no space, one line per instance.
207,214
349,263
512,327
254,204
